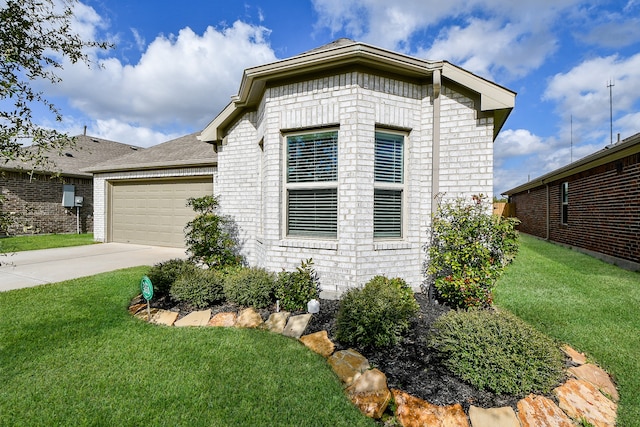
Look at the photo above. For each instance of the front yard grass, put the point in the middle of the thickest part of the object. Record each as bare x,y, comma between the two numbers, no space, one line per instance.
577,299
72,355
44,241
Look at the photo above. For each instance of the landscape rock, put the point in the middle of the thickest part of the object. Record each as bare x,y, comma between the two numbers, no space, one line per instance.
370,393
598,377
414,412
249,318
319,342
576,357
493,417
348,365
296,325
165,317
581,399
195,318
277,321
134,308
225,320
143,315
539,411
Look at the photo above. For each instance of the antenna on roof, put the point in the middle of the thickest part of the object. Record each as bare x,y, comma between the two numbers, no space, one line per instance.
85,130
610,84
571,139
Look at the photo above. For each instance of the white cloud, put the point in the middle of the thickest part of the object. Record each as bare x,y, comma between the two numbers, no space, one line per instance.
485,36
179,81
582,93
519,142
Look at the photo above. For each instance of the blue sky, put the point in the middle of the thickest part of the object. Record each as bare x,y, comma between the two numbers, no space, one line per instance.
176,64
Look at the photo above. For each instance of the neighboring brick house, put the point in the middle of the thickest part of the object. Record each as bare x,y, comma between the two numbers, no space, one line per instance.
337,154
142,198
592,204
34,197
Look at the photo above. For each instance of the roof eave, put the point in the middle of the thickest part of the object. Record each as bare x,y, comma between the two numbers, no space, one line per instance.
608,154
153,165
255,80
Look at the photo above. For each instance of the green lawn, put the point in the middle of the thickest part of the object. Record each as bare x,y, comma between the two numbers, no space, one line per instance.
43,241
70,354
582,301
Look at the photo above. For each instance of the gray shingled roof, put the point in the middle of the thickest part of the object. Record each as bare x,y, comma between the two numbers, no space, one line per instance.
180,152
73,161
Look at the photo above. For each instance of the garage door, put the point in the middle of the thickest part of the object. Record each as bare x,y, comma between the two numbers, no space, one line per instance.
153,212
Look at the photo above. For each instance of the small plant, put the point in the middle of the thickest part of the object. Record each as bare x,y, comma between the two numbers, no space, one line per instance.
295,288
497,351
198,287
468,252
253,287
164,274
376,315
212,238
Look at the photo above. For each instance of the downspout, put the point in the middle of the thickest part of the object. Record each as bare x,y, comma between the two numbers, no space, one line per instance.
435,160
548,212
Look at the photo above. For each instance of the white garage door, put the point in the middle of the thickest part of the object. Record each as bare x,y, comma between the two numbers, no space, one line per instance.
153,212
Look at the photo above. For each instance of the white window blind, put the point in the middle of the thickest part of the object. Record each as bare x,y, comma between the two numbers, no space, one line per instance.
389,185
312,175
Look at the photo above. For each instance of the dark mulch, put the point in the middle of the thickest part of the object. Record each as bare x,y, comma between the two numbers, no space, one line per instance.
409,366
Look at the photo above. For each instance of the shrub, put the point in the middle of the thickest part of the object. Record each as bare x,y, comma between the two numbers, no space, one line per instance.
295,288
250,287
468,252
376,315
211,238
164,274
497,351
198,287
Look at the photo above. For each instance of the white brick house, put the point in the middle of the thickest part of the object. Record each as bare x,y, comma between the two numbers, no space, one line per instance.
336,155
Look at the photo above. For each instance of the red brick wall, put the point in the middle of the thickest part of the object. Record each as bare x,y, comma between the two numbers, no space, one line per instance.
37,203
604,210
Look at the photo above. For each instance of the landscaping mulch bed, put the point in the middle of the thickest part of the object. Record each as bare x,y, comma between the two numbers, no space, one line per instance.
409,366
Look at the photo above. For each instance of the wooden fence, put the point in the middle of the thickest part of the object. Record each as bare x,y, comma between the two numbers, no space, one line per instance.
507,210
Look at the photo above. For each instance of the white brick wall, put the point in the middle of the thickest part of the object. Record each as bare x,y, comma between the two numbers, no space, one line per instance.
101,180
250,177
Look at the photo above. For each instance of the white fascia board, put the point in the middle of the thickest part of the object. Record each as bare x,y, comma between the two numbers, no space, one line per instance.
492,96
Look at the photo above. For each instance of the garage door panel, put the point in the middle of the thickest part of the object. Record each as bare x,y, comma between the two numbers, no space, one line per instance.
154,212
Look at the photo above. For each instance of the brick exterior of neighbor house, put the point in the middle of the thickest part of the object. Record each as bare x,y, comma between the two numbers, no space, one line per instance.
603,206
33,194
35,203
356,102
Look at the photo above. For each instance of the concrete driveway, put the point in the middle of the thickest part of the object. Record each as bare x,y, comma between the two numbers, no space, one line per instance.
32,268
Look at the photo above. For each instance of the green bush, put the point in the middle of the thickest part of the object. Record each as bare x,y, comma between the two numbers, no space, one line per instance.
468,252
253,287
497,351
164,274
212,238
198,287
295,288
376,315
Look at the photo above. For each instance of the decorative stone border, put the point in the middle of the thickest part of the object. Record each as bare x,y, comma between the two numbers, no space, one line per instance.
588,395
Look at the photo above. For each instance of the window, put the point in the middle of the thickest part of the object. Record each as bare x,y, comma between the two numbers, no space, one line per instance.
565,202
389,185
312,184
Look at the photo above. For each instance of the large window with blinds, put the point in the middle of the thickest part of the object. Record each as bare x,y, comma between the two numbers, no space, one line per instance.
388,185
312,184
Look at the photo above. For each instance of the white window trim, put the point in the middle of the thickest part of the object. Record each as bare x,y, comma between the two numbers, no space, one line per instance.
305,186
394,186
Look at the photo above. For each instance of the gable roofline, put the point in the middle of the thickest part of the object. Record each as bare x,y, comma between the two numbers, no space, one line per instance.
610,153
344,52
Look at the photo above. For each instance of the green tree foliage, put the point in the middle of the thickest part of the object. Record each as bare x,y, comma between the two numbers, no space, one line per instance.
211,238
36,37
468,252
